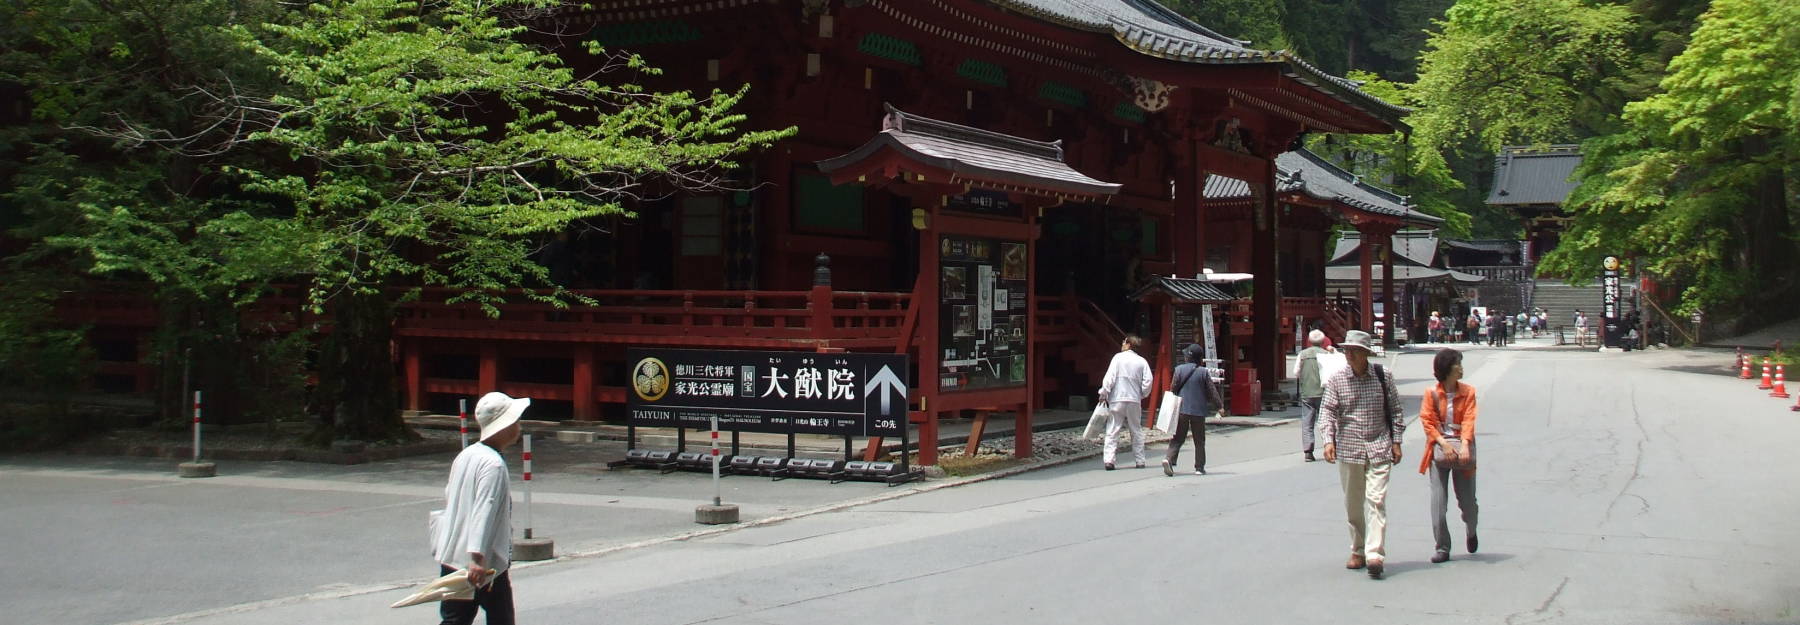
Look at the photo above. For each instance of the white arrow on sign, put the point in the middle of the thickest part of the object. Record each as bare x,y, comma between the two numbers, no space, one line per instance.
885,381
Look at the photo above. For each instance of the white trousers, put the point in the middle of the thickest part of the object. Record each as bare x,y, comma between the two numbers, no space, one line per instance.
1365,505
1129,413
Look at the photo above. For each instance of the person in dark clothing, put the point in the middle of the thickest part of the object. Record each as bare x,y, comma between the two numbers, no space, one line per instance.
1496,327
1193,383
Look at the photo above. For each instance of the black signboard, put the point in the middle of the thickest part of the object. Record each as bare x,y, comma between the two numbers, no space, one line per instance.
985,203
1185,329
839,394
982,320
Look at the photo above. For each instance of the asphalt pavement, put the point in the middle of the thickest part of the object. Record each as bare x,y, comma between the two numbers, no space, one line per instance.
1648,487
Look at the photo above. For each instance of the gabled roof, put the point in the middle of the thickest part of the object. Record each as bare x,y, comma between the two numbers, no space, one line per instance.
1321,179
1528,175
1304,172
1183,290
974,156
1415,247
1152,29
1347,274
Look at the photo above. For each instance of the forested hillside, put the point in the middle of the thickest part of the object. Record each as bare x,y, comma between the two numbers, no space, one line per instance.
1687,112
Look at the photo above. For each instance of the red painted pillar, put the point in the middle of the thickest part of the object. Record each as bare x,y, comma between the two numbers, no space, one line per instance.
1022,422
489,377
929,349
415,381
583,378
1365,293
1390,308
1265,338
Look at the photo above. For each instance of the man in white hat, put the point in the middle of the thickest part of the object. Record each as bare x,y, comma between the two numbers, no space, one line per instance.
1362,425
474,530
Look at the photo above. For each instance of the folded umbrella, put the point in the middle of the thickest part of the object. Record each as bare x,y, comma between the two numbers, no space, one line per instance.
452,587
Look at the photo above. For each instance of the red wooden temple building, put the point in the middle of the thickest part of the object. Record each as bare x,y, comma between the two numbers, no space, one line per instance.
978,183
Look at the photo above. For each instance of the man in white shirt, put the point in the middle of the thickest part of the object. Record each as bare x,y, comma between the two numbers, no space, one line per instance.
1123,390
475,526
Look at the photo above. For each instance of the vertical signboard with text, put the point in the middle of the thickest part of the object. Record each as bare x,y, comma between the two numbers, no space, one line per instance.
1610,315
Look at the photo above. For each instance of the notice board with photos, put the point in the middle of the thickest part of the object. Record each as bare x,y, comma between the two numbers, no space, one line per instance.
982,320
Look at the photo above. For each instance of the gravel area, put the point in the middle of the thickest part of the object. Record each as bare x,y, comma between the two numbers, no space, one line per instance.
1055,445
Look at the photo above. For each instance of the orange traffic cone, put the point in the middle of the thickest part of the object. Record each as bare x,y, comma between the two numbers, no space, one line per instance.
1795,407
1768,381
1743,365
1780,382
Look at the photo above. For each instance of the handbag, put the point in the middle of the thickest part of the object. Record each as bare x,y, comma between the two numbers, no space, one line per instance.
1168,411
1461,462
1096,426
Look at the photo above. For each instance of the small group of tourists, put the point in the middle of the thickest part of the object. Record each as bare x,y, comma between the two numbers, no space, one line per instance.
1361,425
1126,385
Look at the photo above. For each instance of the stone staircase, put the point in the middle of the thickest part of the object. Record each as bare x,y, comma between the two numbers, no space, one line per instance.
1559,301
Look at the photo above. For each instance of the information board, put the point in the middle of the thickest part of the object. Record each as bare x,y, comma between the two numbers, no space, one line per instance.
982,320
768,391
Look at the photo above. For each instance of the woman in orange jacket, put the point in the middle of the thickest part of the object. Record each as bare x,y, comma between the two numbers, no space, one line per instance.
1448,416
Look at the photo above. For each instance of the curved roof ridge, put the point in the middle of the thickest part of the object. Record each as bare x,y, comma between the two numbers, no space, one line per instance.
909,123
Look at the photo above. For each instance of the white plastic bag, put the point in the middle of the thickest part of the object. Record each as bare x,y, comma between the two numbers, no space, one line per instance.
1096,426
1167,412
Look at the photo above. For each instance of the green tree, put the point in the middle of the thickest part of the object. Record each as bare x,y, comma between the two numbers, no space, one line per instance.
1501,72
1429,183
409,144
1698,184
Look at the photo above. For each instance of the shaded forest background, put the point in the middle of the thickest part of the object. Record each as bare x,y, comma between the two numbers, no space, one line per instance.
1687,114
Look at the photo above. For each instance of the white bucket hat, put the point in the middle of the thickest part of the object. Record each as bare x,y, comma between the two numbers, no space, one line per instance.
1358,338
496,410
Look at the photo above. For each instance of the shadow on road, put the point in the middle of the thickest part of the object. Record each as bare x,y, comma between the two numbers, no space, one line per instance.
1702,369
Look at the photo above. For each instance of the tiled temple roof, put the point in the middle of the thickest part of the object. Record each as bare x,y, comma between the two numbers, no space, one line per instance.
974,153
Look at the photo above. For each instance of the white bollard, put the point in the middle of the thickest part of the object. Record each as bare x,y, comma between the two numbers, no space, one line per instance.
197,468
717,513
196,427
715,458
462,420
531,548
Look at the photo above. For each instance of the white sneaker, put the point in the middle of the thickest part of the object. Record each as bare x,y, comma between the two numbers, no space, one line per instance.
1199,471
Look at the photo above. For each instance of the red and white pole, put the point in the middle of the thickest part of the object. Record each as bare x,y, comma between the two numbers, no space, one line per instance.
196,427
527,486
715,458
462,420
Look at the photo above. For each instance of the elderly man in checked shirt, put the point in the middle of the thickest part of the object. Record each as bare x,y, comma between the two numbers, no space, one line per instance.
1362,425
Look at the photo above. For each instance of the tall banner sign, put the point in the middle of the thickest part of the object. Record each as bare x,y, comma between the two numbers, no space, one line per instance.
768,391
1611,322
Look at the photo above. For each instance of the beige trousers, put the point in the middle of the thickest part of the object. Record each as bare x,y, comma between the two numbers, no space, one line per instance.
1365,505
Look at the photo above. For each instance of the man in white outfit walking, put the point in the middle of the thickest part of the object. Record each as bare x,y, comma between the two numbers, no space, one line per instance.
1123,390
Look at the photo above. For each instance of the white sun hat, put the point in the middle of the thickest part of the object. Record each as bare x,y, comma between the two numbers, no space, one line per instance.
496,410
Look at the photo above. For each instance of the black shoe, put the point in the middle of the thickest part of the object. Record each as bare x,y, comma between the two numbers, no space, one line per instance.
1474,543
1109,466
1140,465
1310,458
1374,569
1440,557
1168,470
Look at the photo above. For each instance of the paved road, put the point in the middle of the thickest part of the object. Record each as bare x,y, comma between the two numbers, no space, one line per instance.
1616,488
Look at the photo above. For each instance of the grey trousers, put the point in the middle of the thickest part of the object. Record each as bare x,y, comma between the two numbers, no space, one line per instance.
1309,421
1464,484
